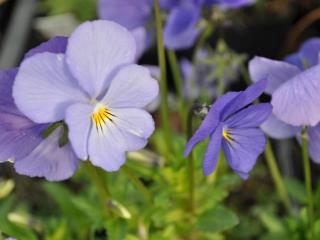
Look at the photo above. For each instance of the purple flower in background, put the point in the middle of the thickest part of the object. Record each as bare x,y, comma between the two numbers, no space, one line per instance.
21,139
233,124
289,84
95,88
181,28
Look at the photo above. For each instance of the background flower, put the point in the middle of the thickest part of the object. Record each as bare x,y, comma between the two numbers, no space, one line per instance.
232,124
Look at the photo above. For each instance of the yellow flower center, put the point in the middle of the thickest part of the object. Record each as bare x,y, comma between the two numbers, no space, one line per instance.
226,135
101,116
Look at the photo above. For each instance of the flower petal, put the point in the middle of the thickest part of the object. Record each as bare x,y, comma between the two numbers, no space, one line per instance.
307,55
277,129
244,98
210,122
251,116
276,72
314,143
104,151
132,86
78,118
212,153
297,101
129,13
54,45
19,136
141,37
244,148
49,160
180,31
95,50
43,88
134,121
6,100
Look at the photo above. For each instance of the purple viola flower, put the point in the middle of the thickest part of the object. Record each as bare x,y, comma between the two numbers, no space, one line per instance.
181,28
96,88
233,124
21,139
288,73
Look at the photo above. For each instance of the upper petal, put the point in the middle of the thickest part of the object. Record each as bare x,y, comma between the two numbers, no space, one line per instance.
95,50
210,122
251,116
49,160
244,148
276,72
129,13
308,54
44,88
212,153
54,45
132,86
180,31
6,100
297,101
244,98
277,129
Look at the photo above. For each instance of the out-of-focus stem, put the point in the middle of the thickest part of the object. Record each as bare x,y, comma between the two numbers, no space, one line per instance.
276,176
177,79
307,176
100,184
137,183
164,108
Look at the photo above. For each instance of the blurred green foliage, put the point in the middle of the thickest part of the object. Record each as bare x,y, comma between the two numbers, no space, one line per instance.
83,9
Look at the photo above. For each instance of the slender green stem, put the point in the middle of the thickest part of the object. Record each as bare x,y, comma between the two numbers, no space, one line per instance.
191,169
276,176
100,183
177,79
307,176
137,183
164,108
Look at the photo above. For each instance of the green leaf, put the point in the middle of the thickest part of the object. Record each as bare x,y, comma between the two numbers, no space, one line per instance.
217,219
14,230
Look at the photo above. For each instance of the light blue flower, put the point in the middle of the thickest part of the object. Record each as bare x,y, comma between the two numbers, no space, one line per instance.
96,88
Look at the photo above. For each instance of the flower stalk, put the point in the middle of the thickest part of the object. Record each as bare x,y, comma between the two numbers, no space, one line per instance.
307,176
164,107
276,176
177,79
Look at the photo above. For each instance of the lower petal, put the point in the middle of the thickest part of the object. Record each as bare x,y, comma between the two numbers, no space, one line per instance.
49,160
314,143
277,129
104,151
244,148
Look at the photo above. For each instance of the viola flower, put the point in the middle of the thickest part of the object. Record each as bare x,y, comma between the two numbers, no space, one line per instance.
95,88
22,141
296,82
233,124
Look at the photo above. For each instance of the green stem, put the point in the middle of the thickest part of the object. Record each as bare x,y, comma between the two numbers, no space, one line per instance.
137,183
100,183
276,176
307,175
164,108
177,79
191,169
